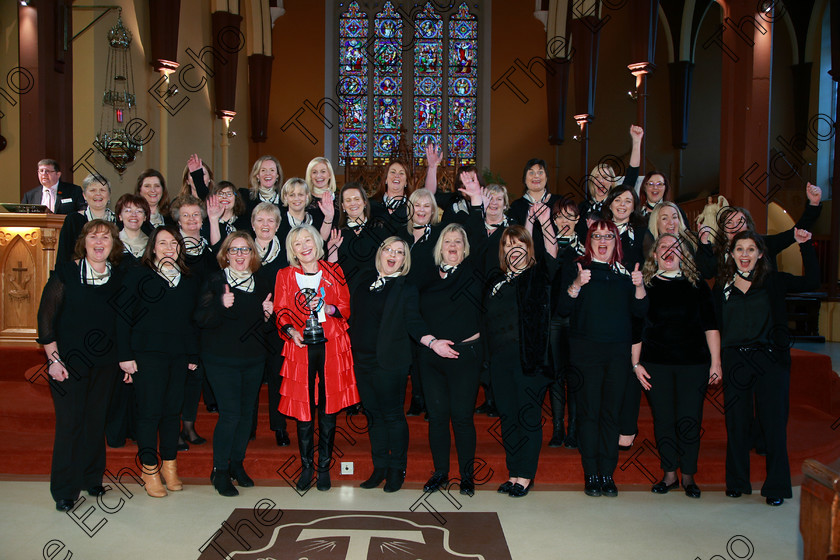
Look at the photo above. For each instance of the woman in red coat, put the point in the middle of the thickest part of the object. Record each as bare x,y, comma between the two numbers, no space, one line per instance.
318,377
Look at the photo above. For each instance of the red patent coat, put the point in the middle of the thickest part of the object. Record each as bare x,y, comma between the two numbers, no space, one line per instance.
339,378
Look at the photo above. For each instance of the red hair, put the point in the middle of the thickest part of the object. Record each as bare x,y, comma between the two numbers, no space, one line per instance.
618,254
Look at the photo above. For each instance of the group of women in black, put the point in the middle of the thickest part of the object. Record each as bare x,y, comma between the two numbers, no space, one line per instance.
336,298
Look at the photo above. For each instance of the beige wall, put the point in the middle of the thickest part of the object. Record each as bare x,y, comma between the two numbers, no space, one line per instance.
192,129
10,123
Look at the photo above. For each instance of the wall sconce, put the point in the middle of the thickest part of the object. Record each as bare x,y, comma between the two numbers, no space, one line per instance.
633,95
231,134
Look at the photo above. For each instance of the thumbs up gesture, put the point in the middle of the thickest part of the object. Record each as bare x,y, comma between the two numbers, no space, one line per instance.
227,297
583,276
636,276
268,306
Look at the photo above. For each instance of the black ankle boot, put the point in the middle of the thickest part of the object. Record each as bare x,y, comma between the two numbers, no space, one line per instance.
222,483
237,473
394,480
592,485
326,438
306,446
375,479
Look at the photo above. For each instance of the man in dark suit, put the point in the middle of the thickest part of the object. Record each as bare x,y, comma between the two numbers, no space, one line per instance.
59,197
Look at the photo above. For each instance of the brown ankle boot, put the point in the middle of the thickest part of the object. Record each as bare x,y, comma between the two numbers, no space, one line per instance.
152,483
169,471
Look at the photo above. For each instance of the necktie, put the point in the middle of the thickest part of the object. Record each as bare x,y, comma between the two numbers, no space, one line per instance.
48,200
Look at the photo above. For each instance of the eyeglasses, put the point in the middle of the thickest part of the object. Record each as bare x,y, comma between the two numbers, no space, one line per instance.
225,194
605,236
657,184
393,251
239,250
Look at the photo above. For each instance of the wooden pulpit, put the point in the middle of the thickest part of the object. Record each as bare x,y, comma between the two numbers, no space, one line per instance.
27,255
819,511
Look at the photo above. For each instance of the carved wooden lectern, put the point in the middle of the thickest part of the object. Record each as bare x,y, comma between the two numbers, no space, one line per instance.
27,256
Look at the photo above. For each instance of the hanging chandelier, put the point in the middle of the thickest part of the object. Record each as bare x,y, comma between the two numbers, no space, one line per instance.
119,103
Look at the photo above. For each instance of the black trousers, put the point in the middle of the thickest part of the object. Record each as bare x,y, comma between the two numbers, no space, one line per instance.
518,398
159,387
81,404
235,383
762,374
676,400
602,367
450,387
383,394
628,420
121,422
566,384
193,383
271,377
414,373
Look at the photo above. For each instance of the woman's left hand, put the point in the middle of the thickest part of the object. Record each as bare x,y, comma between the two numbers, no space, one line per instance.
268,306
471,188
636,276
643,376
192,367
715,374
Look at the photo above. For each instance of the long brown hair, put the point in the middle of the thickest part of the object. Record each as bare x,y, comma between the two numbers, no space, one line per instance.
515,233
730,266
149,255
163,203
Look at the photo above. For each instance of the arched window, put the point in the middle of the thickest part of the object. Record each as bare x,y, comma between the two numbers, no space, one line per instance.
414,71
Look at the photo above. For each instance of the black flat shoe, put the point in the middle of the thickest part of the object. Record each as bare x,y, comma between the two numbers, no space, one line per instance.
375,479
96,491
198,440
222,483
733,493
519,491
692,491
628,447
467,487
183,446
774,501
394,480
485,408
282,438
64,505
416,409
570,442
212,408
592,485
662,487
438,479
505,487
608,487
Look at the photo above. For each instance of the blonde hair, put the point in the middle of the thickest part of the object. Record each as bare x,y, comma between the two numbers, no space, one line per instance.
266,208
494,188
315,161
439,245
406,265
293,236
412,200
687,265
685,234
254,179
290,185
604,170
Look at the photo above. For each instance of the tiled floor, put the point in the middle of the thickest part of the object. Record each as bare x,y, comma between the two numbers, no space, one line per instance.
547,524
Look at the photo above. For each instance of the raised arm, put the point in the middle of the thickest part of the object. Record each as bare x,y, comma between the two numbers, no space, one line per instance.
434,155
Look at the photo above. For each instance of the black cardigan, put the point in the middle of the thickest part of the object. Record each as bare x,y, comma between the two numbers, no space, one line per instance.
778,285
400,320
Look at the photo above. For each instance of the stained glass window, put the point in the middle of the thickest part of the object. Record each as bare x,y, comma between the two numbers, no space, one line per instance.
463,86
428,78
353,86
415,71
387,81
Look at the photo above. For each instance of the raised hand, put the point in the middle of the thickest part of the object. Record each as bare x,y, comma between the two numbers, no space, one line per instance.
636,276
539,211
434,155
583,277
227,297
214,209
327,207
471,188
801,235
814,194
636,133
194,163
